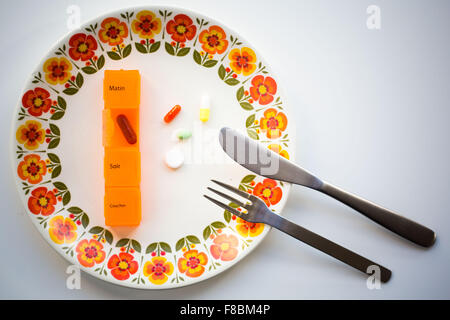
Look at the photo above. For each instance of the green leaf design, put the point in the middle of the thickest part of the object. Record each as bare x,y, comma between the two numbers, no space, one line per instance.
180,244
70,91
122,242
193,239
66,198
249,178
221,72
252,134
108,236
232,82
126,51
240,93
197,57
170,50
246,106
183,52
56,171
57,115
136,245
227,216
218,225
206,232
79,80
165,247
60,186
62,103
250,120
85,220
75,210
151,247
100,62
96,230
113,55
53,157
53,143
140,47
210,63
89,70
155,46
54,129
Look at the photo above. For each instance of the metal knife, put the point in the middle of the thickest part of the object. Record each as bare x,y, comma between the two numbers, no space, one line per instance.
257,158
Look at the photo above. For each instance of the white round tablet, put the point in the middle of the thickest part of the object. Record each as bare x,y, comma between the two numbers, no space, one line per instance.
174,158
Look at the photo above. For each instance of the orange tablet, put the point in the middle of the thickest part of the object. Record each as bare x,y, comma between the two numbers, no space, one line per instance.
122,169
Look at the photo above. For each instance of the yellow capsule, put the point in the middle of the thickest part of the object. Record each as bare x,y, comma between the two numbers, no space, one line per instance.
204,109
204,115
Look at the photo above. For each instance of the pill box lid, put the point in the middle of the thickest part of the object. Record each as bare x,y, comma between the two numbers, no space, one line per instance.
121,89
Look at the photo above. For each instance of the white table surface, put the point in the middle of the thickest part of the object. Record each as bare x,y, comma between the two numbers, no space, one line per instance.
371,110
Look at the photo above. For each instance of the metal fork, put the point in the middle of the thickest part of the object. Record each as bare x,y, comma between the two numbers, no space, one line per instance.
258,212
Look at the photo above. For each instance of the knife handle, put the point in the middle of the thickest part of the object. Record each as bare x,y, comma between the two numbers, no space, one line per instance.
398,224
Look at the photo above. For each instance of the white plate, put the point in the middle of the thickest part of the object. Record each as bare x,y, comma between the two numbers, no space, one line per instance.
58,153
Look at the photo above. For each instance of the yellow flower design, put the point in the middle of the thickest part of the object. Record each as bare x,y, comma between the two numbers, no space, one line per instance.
247,229
158,270
146,25
57,70
278,149
242,61
31,134
62,230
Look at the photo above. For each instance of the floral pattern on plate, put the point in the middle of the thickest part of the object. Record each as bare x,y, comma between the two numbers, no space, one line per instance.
144,31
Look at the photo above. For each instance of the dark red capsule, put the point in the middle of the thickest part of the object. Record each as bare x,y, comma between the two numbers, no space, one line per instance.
127,129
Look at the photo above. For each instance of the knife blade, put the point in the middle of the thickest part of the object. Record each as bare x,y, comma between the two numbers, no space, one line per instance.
258,158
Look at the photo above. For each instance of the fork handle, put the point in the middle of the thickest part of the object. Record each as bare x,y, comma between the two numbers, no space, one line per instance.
329,247
398,224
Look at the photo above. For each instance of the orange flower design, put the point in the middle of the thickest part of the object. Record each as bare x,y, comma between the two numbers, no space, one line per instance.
122,265
224,247
214,40
269,191
248,229
113,31
42,201
181,28
277,148
62,230
57,70
193,263
273,123
263,89
32,168
242,61
82,47
37,101
30,134
90,252
146,24
158,270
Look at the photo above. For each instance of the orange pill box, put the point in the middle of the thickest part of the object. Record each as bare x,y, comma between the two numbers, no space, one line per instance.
122,168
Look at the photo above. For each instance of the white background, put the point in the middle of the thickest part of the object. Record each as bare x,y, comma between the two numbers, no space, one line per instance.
371,111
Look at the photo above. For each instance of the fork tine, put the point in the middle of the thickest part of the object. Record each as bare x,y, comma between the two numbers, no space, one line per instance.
227,197
235,190
224,206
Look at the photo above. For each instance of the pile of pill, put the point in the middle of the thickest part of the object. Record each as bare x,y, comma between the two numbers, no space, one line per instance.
174,158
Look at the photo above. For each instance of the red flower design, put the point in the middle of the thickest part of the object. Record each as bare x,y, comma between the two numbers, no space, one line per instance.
269,191
263,89
82,46
122,266
37,101
181,28
42,201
